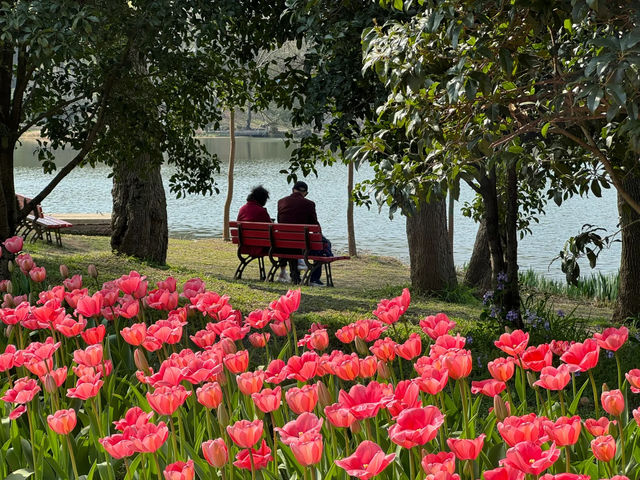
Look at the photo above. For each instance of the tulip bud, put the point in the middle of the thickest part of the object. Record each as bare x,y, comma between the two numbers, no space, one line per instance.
361,346
585,402
223,416
324,397
9,330
500,408
64,271
33,298
605,387
10,266
8,301
228,345
9,286
531,379
50,385
383,370
355,428
93,271
140,360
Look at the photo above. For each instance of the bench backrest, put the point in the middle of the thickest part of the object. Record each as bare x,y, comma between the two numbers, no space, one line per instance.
22,202
278,236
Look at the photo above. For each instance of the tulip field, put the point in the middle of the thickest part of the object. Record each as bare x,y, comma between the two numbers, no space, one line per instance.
129,380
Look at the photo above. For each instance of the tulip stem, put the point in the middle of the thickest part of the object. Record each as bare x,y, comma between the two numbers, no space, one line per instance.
275,444
619,370
126,467
624,460
155,458
73,458
253,468
33,446
564,413
346,442
567,458
465,417
174,442
411,467
595,393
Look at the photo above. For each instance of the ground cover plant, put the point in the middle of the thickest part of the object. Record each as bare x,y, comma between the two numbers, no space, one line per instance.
127,379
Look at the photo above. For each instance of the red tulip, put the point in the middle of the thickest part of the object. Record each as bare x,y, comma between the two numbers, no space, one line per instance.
319,340
436,326
612,338
529,457
302,399
513,343
166,400
118,446
367,461
502,368
346,334
281,329
598,427
62,421
306,423
90,357
433,463
564,431
612,402
604,448
458,363
244,433
13,244
369,330
465,449
89,306
95,335
134,417
552,378
179,471
215,452
411,348
259,340
636,415
150,437
406,395
250,382
23,391
536,358
17,412
567,476
70,327
364,401
346,367
135,334
432,380
490,387
304,367
582,356
276,371
368,366
384,349
133,284
237,362
633,377
416,426
206,338
307,449
527,428
339,416
503,473
260,457
268,400
38,274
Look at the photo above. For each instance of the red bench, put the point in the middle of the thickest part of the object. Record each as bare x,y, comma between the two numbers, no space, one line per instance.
280,241
39,224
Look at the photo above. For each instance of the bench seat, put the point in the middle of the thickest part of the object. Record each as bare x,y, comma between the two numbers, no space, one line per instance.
40,226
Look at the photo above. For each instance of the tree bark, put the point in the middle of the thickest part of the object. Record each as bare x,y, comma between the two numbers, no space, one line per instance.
489,193
351,231
249,115
139,219
430,256
628,303
226,236
450,218
512,287
478,274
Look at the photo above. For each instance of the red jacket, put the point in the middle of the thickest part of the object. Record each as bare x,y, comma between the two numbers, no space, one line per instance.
297,209
254,212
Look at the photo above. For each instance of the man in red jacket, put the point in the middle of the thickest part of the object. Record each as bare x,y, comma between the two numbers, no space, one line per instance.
297,209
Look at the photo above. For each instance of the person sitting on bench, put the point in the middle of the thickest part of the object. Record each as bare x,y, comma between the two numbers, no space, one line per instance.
295,208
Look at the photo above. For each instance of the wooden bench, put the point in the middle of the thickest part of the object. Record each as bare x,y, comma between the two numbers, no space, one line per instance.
39,225
280,242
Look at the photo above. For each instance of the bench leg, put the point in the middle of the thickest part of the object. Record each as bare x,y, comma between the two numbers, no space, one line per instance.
244,261
48,235
272,271
58,237
327,272
263,274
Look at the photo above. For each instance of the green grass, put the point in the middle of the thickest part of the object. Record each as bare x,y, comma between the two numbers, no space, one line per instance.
600,287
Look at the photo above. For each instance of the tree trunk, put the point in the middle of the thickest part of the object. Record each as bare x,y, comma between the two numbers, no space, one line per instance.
139,218
249,112
450,218
512,287
628,303
430,256
489,193
226,236
478,274
351,232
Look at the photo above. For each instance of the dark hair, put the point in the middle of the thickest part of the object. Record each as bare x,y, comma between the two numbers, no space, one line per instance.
300,186
259,194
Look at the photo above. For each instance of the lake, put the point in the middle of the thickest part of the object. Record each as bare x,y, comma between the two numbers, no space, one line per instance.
259,161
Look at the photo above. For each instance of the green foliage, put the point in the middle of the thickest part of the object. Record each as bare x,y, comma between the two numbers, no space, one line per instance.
598,286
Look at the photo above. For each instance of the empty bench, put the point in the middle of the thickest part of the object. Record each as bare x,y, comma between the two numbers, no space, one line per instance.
279,242
39,225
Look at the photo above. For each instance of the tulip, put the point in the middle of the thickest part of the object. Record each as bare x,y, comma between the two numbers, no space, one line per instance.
432,380
166,400
437,325
118,446
502,368
237,362
364,401
302,399
633,377
416,426
536,358
564,431
215,452
458,364
490,387
504,473
367,461
582,356
268,399
63,421
250,382
319,340
306,423
346,367
465,449
94,336
612,338
38,274
258,340
13,244
513,343
150,437
515,430
604,448
612,402
339,416
439,462
567,476
384,349
529,457
23,391
276,371
552,378
244,433
406,395
598,427
307,449
179,471
254,460
303,368
411,348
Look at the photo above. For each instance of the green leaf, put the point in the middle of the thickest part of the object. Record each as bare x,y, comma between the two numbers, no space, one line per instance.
574,404
568,25
398,4
19,474
545,129
593,100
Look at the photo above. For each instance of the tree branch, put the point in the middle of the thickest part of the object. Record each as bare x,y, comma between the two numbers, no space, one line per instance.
55,109
593,148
